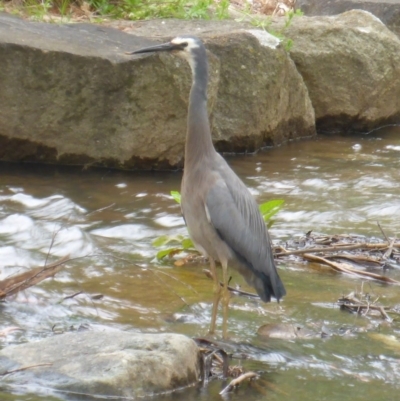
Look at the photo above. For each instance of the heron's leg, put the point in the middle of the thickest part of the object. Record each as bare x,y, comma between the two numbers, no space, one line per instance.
217,296
225,300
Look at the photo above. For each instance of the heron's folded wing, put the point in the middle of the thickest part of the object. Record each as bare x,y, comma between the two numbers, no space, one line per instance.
236,217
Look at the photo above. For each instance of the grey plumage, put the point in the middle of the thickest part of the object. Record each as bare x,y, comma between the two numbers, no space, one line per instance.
221,215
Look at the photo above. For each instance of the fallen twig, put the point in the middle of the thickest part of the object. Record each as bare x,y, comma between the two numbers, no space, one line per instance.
72,296
353,303
387,254
5,332
383,232
8,372
22,281
237,381
345,268
355,258
101,209
332,248
233,289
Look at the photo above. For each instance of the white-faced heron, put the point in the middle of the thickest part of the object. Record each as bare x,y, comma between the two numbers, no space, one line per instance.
221,215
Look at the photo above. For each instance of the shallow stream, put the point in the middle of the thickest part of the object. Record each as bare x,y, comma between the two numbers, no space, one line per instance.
107,220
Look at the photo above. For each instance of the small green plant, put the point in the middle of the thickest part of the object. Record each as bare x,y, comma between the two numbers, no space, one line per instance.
291,14
266,22
175,243
199,9
38,9
261,22
181,243
64,8
221,10
176,196
269,209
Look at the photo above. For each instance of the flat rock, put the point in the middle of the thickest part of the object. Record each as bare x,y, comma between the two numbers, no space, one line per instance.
110,363
69,94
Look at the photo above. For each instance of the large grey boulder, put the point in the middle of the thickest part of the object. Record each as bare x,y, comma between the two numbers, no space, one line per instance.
351,66
260,97
388,11
69,94
111,363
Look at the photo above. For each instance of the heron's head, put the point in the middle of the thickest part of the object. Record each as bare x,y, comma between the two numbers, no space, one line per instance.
188,47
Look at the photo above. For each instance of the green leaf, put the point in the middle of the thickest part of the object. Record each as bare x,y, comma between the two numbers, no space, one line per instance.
167,239
187,243
165,252
269,209
176,195
160,241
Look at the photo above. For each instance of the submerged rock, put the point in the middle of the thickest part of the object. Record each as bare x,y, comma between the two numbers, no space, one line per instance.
285,331
111,363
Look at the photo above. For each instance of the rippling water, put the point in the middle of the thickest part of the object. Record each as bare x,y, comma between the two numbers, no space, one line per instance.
106,222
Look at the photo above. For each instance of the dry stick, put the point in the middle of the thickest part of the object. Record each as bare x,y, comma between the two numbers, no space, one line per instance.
342,268
237,381
354,258
72,296
331,248
390,249
360,305
383,232
101,209
353,302
25,368
9,330
240,292
364,306
387,317
53,238
25,280
158,271
368,307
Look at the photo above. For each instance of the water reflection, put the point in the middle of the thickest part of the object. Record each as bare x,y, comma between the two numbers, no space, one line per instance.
106,221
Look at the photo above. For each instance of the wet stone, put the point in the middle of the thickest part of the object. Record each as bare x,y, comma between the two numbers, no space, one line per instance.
109,363
285,331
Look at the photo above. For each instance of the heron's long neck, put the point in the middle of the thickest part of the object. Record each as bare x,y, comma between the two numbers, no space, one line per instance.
198,138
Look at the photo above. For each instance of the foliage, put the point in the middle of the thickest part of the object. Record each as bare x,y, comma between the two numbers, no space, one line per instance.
37,9
270,208
127,9
180,243
266,22
177,196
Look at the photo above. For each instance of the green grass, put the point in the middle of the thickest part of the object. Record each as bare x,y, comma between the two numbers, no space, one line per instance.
265,23
121,9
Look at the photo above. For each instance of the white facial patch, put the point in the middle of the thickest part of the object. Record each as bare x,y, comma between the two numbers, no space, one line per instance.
191,43
186,52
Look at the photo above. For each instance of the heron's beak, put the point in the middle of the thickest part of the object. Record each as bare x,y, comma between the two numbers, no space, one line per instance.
165,47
